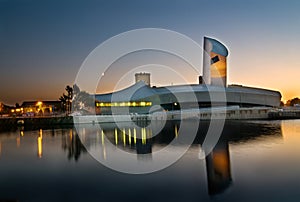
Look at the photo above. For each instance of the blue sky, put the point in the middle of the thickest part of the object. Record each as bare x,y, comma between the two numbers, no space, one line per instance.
43,43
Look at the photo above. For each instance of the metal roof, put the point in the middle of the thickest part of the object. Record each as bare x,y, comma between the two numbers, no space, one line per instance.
140,90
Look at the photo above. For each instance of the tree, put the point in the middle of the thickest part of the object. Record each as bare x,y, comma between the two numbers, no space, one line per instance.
82,100
76,99
69,90
76,89
66,99
293,102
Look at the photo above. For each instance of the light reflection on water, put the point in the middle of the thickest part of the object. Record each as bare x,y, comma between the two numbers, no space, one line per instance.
253,161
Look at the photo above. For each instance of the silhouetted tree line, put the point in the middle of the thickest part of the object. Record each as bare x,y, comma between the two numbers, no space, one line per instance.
81,100
293,102
75,99
66,99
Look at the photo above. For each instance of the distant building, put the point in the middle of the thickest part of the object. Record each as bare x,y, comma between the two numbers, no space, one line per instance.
37,108
5,110
143,76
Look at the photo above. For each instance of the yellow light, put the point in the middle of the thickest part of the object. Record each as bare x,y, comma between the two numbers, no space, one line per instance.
39,103
144,137
134,135
22,133
176,131
18,110
103,144
129,136
116,136
12,110
124,104
124,136
40,144
40,147
102,137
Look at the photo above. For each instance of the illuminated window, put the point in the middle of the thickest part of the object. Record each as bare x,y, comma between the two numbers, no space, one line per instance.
124,104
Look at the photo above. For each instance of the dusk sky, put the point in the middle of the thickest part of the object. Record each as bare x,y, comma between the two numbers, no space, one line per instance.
44,42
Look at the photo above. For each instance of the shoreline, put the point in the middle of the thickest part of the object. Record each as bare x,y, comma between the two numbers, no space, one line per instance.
230,113
13,121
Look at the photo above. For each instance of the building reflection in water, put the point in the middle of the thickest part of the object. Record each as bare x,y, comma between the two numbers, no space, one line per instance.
218,168
71,144
218,161
139,140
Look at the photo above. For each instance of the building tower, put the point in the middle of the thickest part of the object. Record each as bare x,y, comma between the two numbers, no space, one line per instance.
214,62
143,76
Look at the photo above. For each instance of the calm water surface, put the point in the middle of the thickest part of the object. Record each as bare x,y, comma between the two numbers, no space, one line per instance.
253,161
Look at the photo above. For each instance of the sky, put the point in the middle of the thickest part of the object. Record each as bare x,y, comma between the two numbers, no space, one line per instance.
43,43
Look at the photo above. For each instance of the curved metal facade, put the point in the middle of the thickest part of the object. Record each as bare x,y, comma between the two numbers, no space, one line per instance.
166,97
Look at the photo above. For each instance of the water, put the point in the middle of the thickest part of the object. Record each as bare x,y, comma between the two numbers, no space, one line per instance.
253,161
